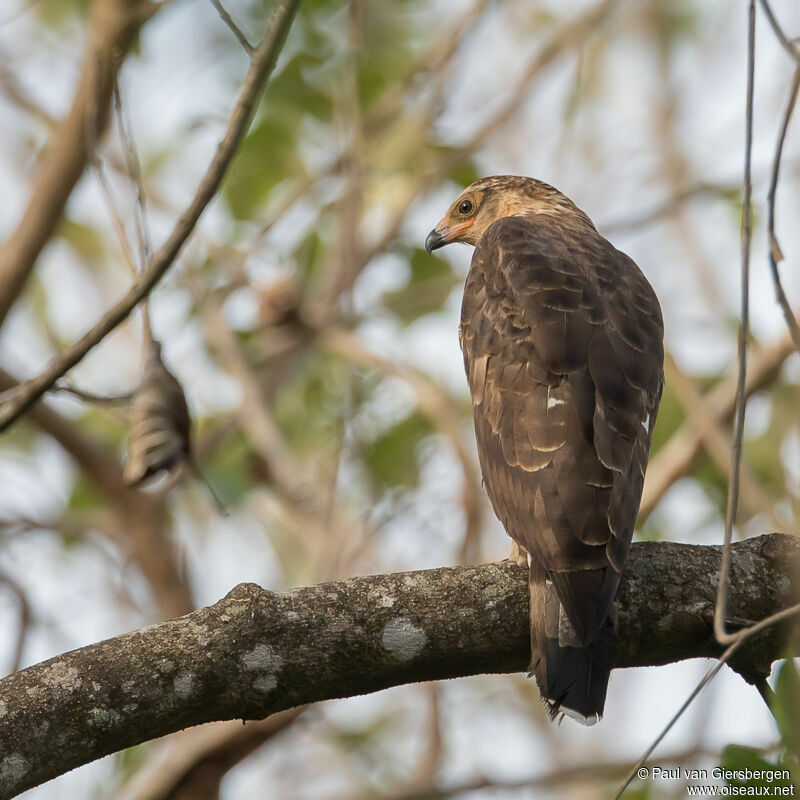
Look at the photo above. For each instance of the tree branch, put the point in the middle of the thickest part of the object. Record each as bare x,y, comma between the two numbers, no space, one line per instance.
113,28
256,652
675,458
141,516
261,65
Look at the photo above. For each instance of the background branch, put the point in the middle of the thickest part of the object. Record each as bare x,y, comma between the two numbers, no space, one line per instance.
113,28
261,65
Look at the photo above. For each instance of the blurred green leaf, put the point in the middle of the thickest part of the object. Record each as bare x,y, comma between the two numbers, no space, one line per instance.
750,766
786,705
762,452
392,458
54,13
267,156
309,405
228,472
464,173
387,29
295,92
85,241
308,255
430,281
85,496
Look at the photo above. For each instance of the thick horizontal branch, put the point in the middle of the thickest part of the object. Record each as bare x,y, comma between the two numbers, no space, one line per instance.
257,652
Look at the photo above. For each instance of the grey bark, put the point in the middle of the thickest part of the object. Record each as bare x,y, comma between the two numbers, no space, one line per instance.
256,652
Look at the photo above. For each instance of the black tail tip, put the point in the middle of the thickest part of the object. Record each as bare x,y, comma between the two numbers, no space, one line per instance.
576,684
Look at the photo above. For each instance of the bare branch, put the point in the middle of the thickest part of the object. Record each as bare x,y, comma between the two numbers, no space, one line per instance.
785,41
744,331
261,67
592,772
113,27
715,442
773,248
675,458
439,407
234,28
257,652
140,516
24,618
192,763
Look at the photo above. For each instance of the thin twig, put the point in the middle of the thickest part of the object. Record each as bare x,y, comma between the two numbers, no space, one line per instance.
773,248
675,457
116,217
261,67
113,27
716,442
738,639
134,168
722,636
787,43
24,619
90,397
234,28
389,105
435,403
563,776
570,35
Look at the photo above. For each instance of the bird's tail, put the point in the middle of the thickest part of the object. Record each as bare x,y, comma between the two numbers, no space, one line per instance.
572,679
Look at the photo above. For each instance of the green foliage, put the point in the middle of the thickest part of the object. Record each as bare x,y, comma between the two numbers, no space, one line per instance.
393,457
639,791
85,240
786,704
762,453
748,762
56,13
310,405
85,496
430,281
464,173
267,157
386,30
670,417
309,254
229,472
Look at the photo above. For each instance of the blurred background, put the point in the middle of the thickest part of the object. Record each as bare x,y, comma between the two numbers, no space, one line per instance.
317,346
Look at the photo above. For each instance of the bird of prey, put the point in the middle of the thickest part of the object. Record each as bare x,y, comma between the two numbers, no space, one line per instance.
562,338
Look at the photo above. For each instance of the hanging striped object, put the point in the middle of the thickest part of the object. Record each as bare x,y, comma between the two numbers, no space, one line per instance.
159,437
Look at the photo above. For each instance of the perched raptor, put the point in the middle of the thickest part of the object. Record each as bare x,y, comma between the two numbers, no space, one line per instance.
563,346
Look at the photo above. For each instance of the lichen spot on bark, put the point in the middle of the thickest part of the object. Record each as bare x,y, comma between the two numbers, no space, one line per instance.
402,639
104,718
262,658
183,684
265,683
13,769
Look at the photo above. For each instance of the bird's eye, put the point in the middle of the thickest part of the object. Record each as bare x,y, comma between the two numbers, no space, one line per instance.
465,207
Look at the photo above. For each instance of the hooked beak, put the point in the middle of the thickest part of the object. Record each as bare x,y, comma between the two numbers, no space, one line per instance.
445,233
434,241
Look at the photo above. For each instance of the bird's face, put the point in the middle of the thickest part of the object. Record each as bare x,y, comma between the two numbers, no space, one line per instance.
464,222
490,199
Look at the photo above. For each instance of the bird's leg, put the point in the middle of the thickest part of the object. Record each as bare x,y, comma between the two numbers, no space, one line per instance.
519,555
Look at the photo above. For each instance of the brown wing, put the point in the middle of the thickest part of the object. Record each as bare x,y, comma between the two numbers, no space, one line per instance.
562,342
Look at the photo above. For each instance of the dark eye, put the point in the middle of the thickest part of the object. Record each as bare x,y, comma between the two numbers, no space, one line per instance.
465,207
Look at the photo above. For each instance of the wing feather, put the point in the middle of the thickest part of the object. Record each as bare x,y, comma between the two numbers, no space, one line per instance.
562,342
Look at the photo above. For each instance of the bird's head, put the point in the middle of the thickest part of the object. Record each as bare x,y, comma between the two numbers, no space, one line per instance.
493,198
